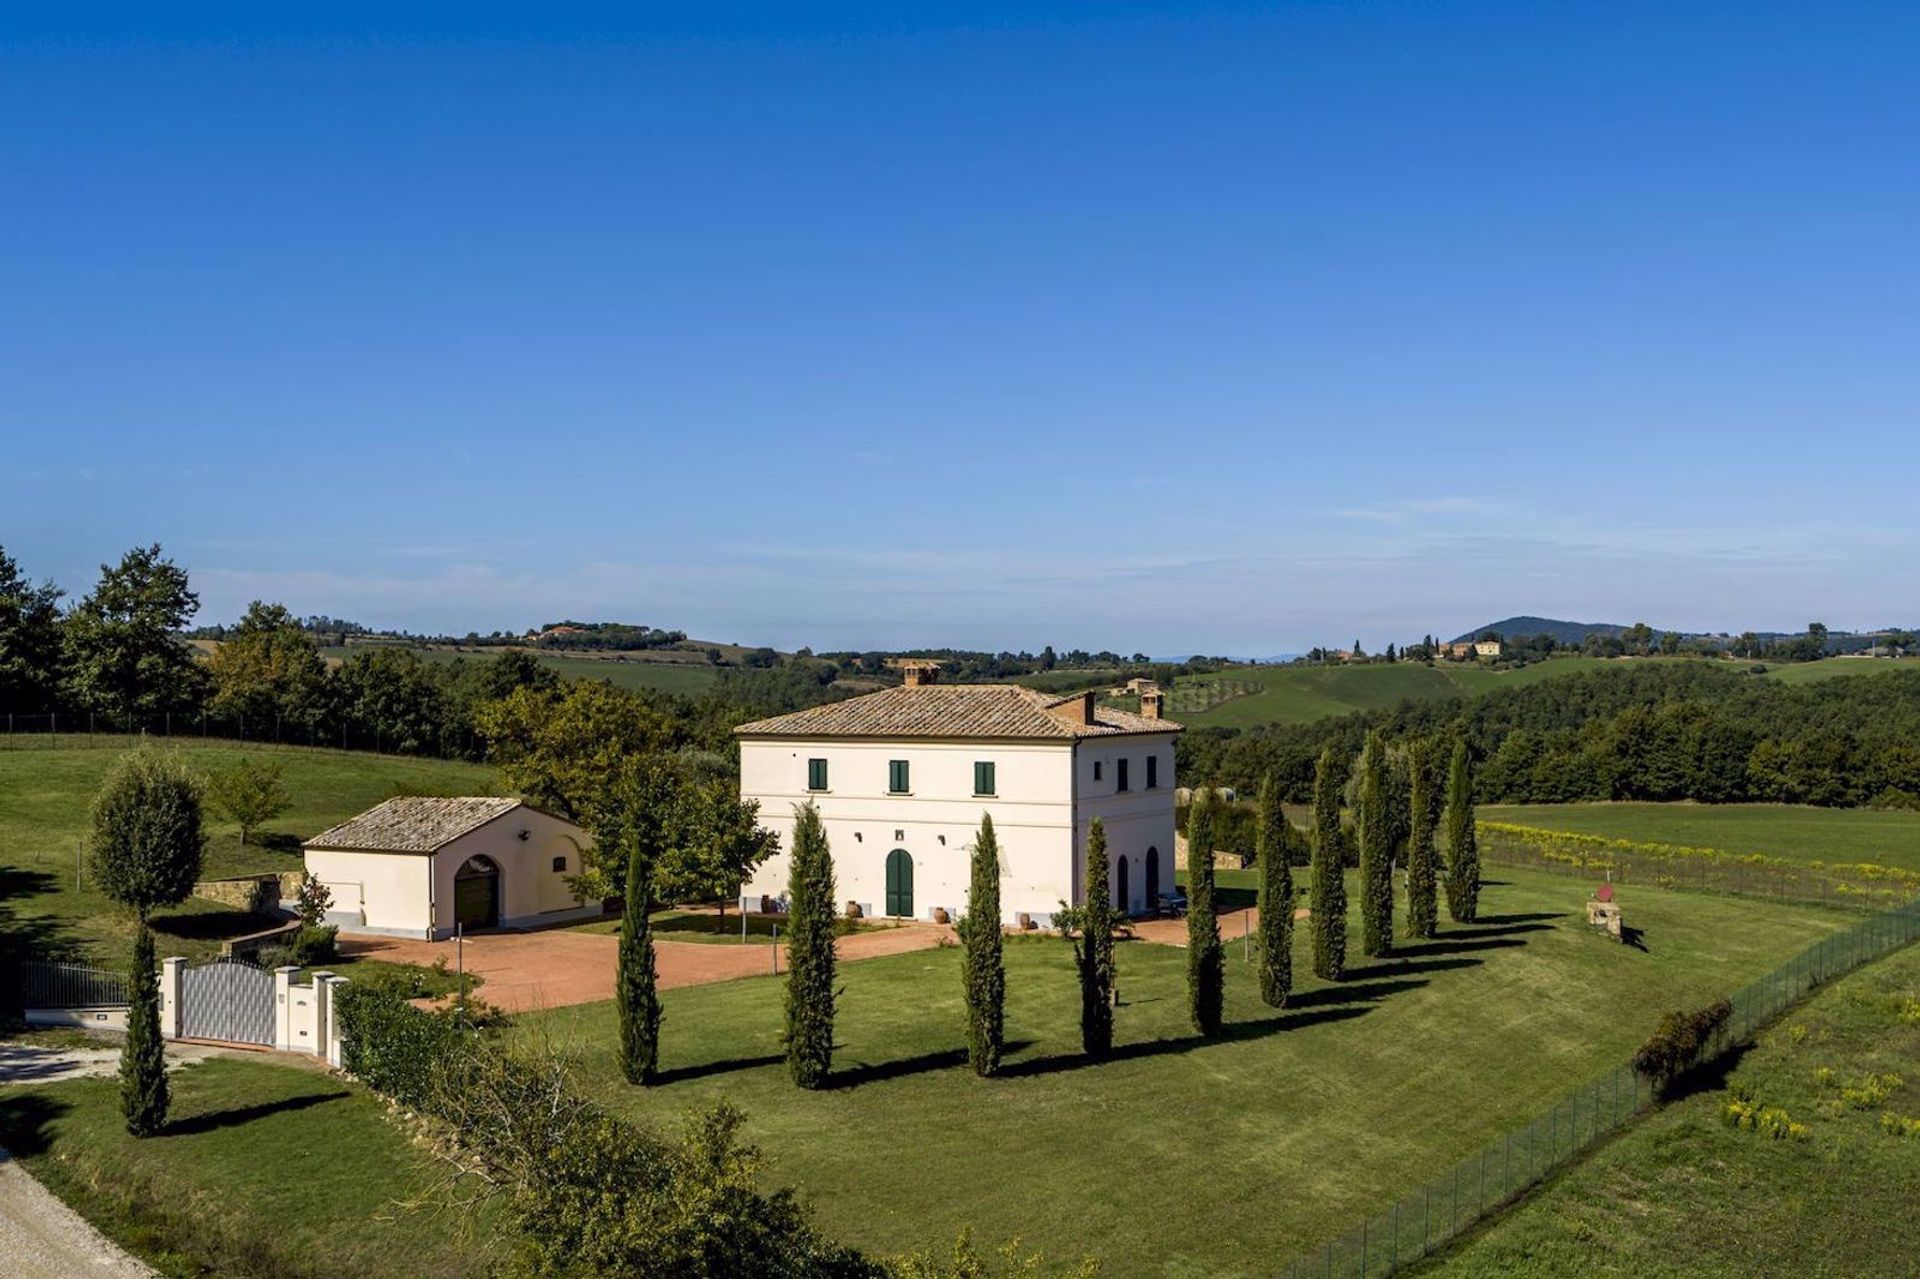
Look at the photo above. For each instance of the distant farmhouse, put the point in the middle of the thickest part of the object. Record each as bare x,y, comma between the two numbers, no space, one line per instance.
902,778
1489,647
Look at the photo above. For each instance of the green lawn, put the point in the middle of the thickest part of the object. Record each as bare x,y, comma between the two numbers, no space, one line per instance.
1777,830
1299,694
45,797
265,1170
1682,1193
1293,1125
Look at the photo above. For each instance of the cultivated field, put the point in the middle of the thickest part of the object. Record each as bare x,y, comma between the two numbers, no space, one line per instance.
1251,695
1685,1193
1793,831
1297,1123
45,796
1836,667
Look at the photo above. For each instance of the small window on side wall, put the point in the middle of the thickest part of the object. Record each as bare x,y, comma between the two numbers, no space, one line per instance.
1153,771
983,777
559,865
1096,770
816,774
1120,776
897,777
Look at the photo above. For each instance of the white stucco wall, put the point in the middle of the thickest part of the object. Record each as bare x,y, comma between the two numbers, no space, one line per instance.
1044,798
376,892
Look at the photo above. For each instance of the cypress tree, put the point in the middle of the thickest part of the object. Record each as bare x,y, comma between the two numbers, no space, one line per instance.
810,953
638,1000
1095,952
1328,902
143,1061
983,969
1206,961
1275,859
1376,850
1463,851
1422,909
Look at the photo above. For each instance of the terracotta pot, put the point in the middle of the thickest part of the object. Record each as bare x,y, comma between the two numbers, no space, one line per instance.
940,915
853,910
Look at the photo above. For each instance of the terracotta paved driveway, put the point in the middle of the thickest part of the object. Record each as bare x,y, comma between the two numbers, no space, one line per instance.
1234,924
554,968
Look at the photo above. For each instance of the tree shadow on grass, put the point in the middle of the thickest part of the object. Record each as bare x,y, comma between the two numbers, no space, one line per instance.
1352,992
726,1066
1394,966
23,937
1459,944
916,1065
1709,1076
1521,917
24,1122
238,1115
278,842
213,925
1233,1032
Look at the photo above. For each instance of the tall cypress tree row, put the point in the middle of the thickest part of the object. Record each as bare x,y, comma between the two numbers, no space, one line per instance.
1376,850
635,992
1095,951
1275,860
983,969
1328,901
810,953
1206,961
1422,908
1463,849
143,1061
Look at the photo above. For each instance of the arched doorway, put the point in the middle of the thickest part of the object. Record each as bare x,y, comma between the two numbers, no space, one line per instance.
900,883
1122,898
1153,880
476,894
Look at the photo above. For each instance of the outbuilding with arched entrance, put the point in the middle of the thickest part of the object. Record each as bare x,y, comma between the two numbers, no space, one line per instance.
422,866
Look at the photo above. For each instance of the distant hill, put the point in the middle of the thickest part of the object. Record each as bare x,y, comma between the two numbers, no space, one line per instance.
1562,632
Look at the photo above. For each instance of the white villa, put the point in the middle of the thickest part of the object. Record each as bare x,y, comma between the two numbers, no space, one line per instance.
901,778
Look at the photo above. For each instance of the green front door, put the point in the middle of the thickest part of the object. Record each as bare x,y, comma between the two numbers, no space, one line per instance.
899,883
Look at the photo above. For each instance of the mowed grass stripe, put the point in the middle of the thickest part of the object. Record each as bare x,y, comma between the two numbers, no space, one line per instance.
1297,1123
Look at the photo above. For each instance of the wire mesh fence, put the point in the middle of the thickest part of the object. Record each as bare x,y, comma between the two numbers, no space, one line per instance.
1418,1224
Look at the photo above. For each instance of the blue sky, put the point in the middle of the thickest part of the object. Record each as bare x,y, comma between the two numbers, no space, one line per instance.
1223,328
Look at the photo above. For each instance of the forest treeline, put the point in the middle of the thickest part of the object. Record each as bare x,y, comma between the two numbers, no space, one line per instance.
1665,731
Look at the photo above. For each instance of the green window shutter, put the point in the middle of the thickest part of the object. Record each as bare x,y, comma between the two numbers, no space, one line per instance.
816,774
897,777
983,777
1153,771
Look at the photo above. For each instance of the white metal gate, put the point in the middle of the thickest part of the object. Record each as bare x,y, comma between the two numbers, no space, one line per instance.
228,999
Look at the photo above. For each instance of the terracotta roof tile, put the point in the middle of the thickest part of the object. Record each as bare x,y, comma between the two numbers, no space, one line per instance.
957,711
413,823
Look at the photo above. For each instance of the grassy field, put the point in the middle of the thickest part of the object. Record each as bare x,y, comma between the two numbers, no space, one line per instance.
1297,1123
711,928
45,796
264,1170
1683,1193
1777,830
1299,694
1838,667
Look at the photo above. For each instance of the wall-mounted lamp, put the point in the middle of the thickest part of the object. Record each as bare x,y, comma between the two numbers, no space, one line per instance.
856,837
941,838
524,834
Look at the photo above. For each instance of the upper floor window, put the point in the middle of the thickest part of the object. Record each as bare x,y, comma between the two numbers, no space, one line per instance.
559,865
897,777
1120,774
1096,770
816,774
983,777
1153,771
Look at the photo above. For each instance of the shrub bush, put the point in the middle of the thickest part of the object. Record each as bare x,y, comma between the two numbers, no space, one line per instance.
389,1044
1682,1041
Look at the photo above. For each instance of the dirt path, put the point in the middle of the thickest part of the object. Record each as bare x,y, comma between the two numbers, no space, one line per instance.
1234,924
32,1064
552,969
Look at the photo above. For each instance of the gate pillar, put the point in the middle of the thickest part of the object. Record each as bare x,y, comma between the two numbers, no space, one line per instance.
170,996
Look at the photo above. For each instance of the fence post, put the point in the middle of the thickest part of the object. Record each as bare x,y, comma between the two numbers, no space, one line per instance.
283,1006
170,969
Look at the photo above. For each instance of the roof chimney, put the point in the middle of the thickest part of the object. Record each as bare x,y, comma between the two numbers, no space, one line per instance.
920,674
1075,709
1150,701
